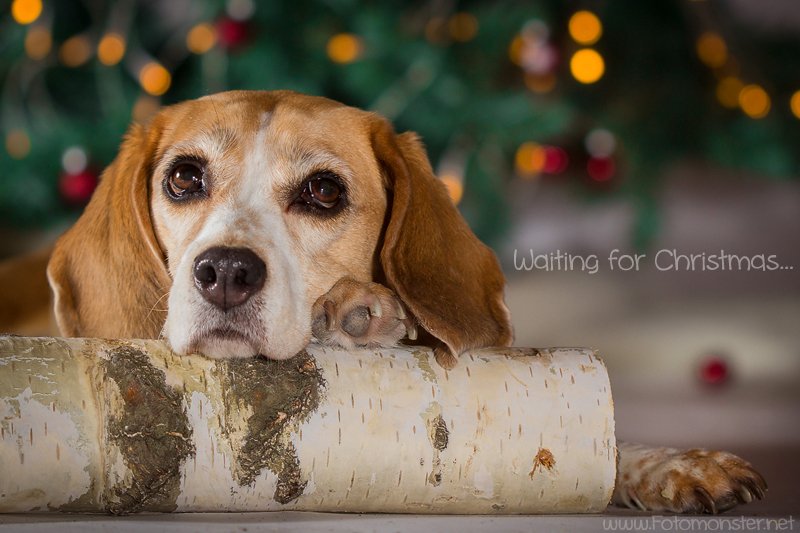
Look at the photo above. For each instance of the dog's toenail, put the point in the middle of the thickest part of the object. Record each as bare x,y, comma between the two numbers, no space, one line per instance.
330,312
412,332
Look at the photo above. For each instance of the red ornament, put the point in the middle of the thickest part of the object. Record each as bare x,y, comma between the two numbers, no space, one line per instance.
77,189
232,34
714,370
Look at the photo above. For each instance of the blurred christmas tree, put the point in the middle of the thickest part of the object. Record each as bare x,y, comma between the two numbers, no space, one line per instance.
600,95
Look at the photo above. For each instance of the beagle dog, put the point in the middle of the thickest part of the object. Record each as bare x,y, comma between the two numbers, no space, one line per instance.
243,223
248,223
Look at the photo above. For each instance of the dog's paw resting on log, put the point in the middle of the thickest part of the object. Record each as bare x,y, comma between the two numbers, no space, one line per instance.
684,481
226,224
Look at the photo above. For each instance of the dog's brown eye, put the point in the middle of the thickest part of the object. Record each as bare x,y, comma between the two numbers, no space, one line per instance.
186,178
322,192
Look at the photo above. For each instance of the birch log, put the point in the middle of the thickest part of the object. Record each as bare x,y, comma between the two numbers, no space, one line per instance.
88,425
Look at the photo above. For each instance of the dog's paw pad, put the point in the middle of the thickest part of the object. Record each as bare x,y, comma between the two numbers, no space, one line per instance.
693,481
356,314
356,323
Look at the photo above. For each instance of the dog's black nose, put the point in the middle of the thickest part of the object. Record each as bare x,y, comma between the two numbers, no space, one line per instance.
228,277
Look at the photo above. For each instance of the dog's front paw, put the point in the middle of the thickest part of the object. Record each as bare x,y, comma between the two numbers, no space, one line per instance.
360,314
691,481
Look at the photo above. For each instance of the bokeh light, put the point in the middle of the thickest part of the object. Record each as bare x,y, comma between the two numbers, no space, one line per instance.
585,27
530,159
601,168
155,79
556,160
26,11
75,51
600,143
344,48
38,42
587,66
728,90
240,9
794,103
463,26
455,186
74,160
201,38
18,144
111,49
712,50
515,50
754,101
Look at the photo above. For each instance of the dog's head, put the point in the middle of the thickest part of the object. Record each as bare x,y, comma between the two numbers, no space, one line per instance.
281,195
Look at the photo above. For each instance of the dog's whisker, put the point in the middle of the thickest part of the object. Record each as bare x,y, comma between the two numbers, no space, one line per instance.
154,307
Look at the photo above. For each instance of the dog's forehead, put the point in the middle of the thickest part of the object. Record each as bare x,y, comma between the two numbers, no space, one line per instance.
281,118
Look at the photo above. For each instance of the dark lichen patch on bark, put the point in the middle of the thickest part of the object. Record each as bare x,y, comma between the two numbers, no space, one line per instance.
439,434
152,432
281,395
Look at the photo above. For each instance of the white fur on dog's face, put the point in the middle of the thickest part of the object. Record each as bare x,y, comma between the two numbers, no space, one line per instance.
257,155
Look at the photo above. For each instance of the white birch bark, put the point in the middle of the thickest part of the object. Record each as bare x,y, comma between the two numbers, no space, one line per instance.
125,426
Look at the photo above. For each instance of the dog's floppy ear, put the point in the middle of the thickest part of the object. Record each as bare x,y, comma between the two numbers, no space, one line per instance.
450,281
108,271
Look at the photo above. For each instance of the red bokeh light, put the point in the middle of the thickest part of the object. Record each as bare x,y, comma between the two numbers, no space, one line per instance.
556,160
714,370
601,168
77,188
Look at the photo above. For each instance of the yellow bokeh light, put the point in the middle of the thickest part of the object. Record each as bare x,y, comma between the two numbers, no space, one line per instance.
515,50
38,42
111,49
26,11
530,159
154,79
454,185
585,27
728,90
754,101
201,38
18,144
540,83
712,50
344,48
587,66
463,26
794,103
75,51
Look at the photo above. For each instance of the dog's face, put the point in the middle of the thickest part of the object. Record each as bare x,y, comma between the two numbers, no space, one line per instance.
221,222
291,197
